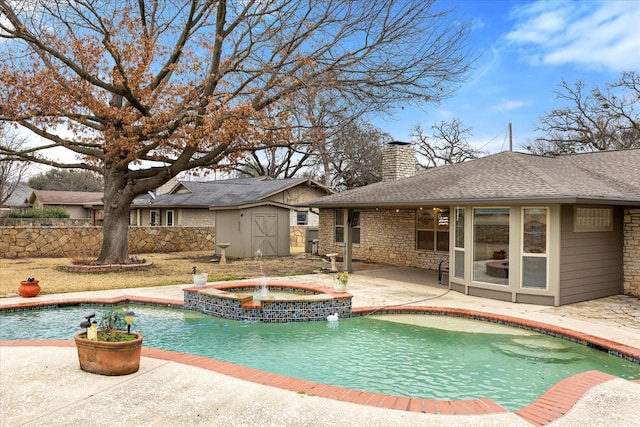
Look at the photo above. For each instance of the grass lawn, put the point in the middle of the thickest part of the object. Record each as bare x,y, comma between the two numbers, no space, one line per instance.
168,269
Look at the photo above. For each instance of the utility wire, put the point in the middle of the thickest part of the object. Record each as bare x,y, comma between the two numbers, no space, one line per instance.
492,139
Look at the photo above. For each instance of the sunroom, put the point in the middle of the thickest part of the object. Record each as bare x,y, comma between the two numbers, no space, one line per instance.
550,231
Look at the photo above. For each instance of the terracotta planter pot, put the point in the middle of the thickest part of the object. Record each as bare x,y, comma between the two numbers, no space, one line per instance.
29,289
499,255
109,358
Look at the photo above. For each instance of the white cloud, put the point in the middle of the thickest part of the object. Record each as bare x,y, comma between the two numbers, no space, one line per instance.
598,35
508,105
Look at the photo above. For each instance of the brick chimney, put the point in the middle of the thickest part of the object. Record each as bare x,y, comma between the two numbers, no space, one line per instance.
398,161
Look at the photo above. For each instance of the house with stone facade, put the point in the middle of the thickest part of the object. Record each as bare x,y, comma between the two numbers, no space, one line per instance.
248,213
510,226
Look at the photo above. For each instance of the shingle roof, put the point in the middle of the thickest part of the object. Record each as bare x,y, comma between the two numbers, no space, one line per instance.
48,197
19,197
221,193
610,176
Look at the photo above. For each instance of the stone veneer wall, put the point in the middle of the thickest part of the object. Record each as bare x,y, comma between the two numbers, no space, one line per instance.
85,242
398,161
44,222
297,236
631,252
386,237
68,241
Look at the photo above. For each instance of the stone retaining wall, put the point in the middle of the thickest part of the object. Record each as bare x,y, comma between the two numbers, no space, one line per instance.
85,242
44,222
631,252
77,242
297,236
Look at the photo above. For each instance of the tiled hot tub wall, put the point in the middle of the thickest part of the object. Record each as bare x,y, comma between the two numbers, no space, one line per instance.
271,311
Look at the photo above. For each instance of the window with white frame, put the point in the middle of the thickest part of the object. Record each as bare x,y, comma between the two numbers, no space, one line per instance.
154,218
534,248
302,218
458,251
169,219
491,245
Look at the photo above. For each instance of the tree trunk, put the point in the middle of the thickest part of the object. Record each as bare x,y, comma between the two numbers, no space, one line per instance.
115,228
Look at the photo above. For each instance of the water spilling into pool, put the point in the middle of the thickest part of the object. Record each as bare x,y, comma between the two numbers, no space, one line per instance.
262,290
437,357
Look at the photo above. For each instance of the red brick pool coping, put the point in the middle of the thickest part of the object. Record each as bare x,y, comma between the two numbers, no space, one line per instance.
550,406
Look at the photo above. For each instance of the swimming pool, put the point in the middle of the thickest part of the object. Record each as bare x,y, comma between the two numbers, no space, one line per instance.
433,357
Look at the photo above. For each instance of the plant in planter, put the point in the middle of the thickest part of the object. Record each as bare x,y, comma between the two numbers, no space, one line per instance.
340,281
108,349
199,279
501,254
29,288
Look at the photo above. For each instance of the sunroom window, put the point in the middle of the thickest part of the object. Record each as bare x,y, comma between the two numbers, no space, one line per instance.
491,245
534,248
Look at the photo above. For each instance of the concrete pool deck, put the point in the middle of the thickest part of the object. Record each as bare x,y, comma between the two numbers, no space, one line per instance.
41,383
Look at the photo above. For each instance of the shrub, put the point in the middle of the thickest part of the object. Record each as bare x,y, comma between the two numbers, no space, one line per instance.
47,212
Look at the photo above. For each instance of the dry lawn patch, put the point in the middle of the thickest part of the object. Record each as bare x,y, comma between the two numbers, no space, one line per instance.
168,269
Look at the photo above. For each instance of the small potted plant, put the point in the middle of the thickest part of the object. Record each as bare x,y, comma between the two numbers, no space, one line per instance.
501,254
340,281
109,349
29,288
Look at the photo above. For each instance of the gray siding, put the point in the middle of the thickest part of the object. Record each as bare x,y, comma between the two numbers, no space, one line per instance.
490,293
590,263
534,299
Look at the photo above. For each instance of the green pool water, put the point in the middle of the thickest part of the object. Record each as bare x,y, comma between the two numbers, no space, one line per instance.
432,357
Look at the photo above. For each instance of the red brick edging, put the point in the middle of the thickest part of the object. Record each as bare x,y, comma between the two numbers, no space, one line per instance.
561,397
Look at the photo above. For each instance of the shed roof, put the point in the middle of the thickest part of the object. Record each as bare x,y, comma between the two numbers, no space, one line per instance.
611,177
222,193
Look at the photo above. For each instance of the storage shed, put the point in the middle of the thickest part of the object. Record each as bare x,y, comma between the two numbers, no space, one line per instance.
250,214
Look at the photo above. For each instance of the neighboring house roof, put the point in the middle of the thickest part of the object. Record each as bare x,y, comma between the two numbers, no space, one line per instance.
47,197
19,197
611,177
227,193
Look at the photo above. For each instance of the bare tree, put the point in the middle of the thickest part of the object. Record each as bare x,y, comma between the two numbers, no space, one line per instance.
448,143
141,90
13,169
318,119
592,120
356,156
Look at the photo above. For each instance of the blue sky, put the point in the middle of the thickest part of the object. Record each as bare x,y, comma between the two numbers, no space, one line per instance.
526,48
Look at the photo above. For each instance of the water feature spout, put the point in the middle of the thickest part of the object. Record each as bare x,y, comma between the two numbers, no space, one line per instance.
262,291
